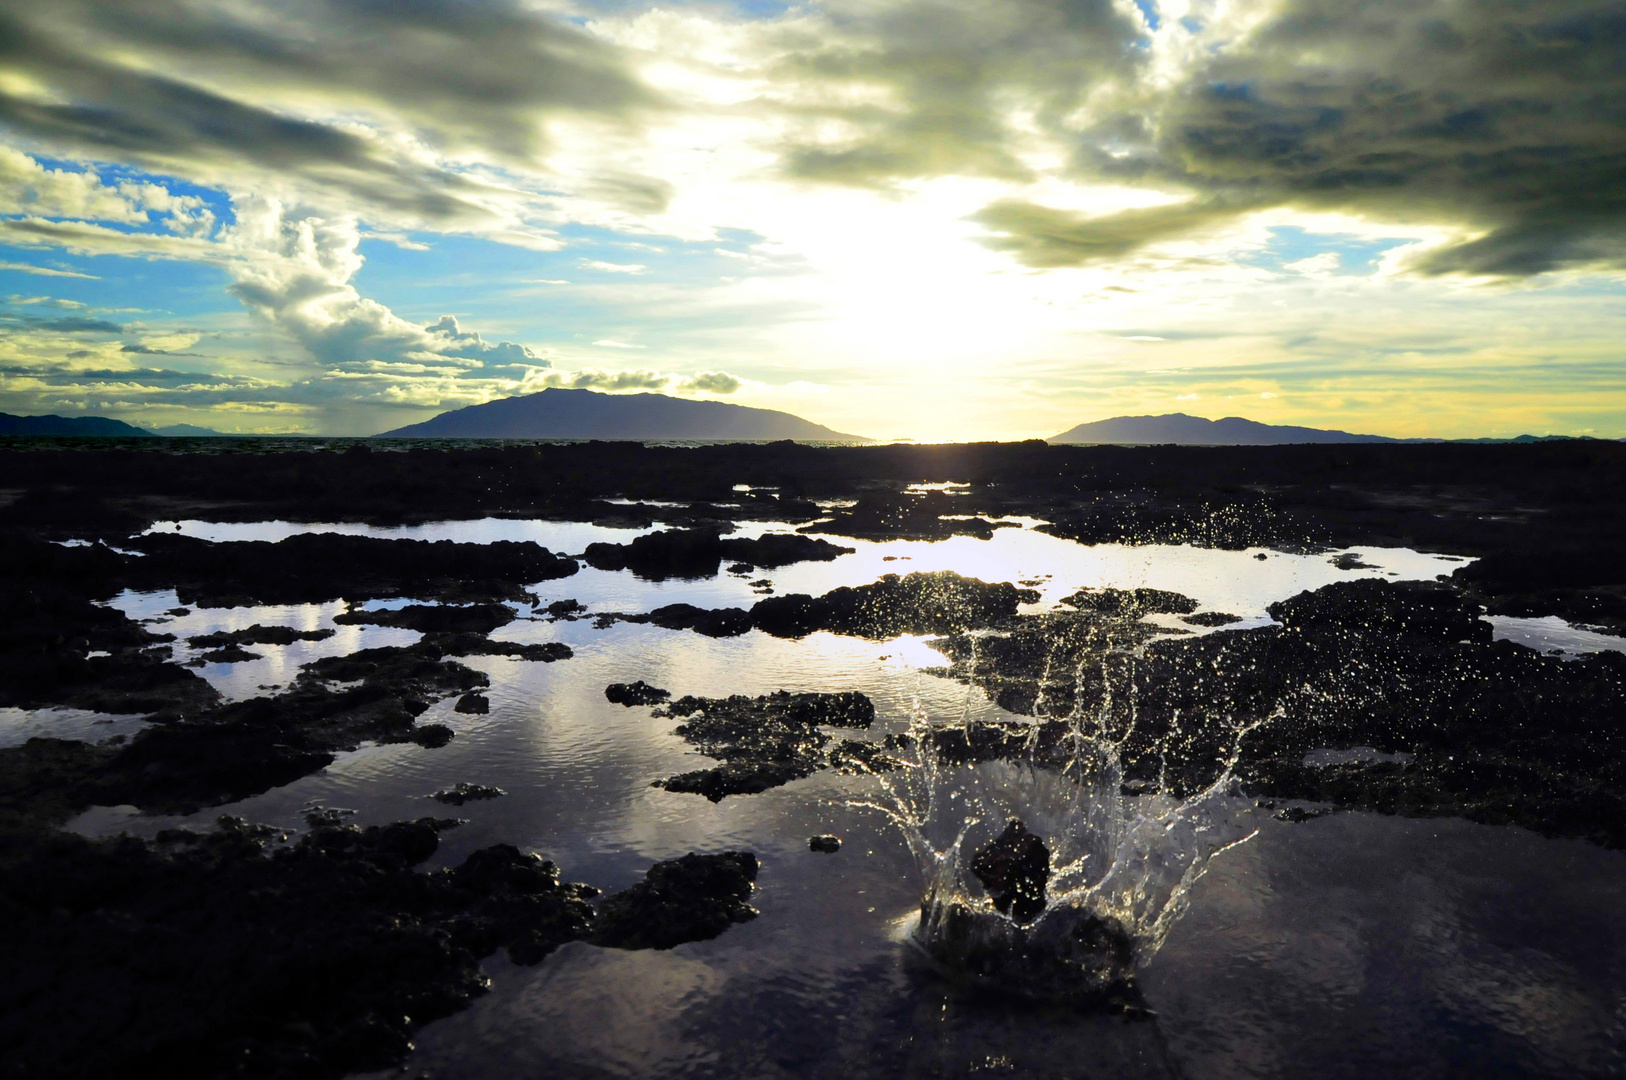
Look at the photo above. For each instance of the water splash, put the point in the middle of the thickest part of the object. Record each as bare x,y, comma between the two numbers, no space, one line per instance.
1123,853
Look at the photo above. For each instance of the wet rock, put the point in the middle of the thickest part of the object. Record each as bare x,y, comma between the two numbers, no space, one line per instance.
697,553
1131,602
566,609
932,515
473,703
1350,561
49,630
768,741
722,622
472,644
1212,618
257,634
435,618
1015,869
311,567
231,654
231,953
461,792
824,843
635,693
693,898
1070,956
921,603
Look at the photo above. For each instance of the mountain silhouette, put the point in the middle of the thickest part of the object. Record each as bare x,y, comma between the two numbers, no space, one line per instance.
66,425
1196,431
585,414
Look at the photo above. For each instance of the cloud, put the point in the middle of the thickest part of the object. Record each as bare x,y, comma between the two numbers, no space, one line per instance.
594,379
295,272
614,268
1042,236
607,343
77,324
45,271
146,350
335,93
710,382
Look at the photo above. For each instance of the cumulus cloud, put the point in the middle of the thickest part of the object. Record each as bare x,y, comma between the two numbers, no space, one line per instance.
295,272
711,382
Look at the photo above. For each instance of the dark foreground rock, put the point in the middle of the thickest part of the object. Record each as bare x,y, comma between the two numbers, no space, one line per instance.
694,553
768,741
232,954
243,748
824,843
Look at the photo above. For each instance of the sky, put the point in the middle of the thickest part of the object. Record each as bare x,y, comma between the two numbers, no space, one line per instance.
927,219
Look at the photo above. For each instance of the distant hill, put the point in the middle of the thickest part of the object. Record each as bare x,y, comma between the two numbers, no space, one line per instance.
585,414
188,431
1196,431
66,425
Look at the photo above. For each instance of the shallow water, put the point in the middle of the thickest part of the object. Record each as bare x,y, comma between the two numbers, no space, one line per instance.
1349,945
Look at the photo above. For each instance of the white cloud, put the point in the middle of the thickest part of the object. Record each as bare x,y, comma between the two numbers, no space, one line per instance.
614,268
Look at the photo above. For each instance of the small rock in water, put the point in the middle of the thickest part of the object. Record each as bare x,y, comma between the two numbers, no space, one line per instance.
824,842
432,736
637,693
1015,868
473,703
460,793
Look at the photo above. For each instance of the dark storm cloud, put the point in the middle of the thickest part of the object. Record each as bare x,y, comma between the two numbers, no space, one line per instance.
68,324
950,71
479,74
1502,117
62,375
146,350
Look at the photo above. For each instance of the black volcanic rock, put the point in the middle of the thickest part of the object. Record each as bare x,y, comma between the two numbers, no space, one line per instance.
941,602
695,553
1015,869
585,414
1180,429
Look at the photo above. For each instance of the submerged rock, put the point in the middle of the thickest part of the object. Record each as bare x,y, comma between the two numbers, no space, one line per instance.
461,792
1015,869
